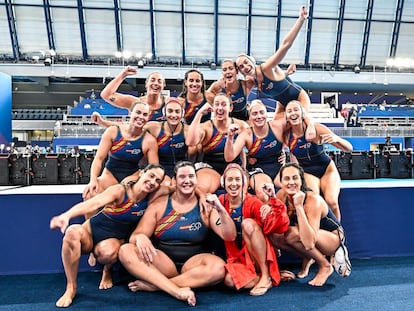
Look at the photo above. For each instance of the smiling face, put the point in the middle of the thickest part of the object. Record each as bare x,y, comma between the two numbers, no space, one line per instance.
173,112
234,182
221,106
246,66
229,71
291,180
257,113
194,82
186,179
151,179
294,113
139,114
155,83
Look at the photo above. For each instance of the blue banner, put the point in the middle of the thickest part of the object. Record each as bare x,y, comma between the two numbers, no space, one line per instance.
5,109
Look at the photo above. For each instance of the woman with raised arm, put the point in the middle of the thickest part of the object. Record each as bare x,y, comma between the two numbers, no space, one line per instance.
124,204
271,81
211,135
264,142
314,232
232,86
154,85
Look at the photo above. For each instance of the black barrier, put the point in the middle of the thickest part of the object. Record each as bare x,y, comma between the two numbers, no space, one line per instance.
44,169
401,164
343,163
382,164
362,165
4,169
67,169
51,169
85,162
18,169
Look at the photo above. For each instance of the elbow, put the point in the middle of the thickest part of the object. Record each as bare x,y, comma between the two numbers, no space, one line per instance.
230,236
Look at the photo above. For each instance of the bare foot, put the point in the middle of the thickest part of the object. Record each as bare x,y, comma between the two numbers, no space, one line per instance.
106,281
323,274
261,288
92,260
66,299
306,264
140,285
186,294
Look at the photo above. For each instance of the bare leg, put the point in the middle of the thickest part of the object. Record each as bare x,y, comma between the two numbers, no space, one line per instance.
75,240
256,245
152,272
106,280
306,264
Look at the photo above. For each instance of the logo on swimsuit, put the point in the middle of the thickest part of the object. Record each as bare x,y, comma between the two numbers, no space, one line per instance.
195,226
238,100
307,145
178,145
269,86
138,213
135,151
271,144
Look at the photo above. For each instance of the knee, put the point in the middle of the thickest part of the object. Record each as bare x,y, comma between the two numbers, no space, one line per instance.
73,234
106,255
249,226
228,281
126,253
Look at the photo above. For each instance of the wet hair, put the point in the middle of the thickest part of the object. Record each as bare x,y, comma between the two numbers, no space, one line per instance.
185,89
228,60
145,169
225,95
250,58
151,74
304,187
181,164
139,102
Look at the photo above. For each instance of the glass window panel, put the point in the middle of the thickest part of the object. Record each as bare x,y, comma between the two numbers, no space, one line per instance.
356,9
326,9
291,8
168,35
232,37
5,42
136,32
135,4
66,30
233,7
323,41
199,31
100,32
202,6
384,10
167,5
408,11
351,42
379,43
26,2
98,3
263,37
31,29
405,46
264,7
64,2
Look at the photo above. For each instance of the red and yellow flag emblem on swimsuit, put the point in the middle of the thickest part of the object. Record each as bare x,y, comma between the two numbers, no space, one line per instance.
214,141
120,209
118,144
255,146
167,222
